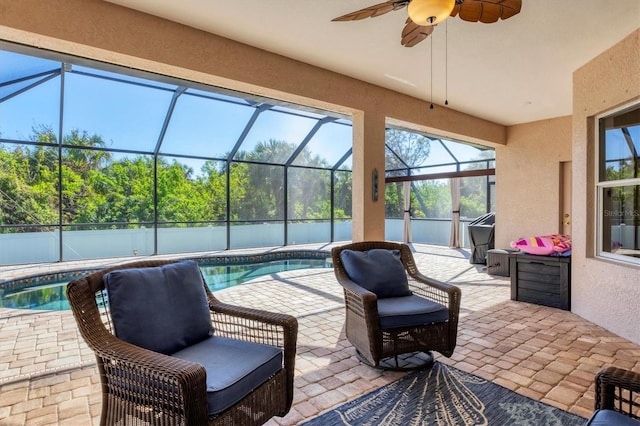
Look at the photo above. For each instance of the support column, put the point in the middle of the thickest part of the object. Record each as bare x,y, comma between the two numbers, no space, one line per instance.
368,155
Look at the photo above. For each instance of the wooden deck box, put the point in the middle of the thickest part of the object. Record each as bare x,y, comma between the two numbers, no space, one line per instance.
498,261
543,280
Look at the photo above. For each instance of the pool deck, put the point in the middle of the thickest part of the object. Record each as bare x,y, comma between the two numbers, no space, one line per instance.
49,376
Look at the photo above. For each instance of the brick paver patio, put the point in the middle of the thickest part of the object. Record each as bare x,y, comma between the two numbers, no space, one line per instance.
48,375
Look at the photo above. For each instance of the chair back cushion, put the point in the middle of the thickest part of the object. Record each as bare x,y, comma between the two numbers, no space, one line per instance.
164,308
378,270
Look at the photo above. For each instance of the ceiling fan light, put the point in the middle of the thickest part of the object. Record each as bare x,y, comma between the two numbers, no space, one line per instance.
430,12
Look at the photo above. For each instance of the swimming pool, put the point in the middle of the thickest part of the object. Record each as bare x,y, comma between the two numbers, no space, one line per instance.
49,292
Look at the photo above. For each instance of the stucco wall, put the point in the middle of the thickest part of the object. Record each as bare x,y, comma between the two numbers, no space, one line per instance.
528,179
603,292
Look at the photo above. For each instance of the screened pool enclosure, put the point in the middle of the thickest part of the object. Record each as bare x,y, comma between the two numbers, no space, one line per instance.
103,161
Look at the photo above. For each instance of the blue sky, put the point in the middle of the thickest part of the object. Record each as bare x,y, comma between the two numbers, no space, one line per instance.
130,116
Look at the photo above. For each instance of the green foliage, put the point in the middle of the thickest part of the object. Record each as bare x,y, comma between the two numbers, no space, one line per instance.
263,189
342,208
626,169
412,148
97,188
27,186
404,149
436,199
430,198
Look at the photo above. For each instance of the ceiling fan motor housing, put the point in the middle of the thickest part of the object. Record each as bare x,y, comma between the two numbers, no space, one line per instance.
430,12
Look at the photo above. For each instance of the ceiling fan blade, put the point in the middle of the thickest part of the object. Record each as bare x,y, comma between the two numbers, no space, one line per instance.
486,11
413,33
373,11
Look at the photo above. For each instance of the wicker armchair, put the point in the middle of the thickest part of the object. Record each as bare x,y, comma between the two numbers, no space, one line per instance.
140,386
378,346
617,398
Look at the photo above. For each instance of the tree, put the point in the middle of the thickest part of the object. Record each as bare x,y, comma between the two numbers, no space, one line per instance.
342,194
129,191
27,190
410,149
436,197
99,188
404,149
214,184
307,189
473,190
181,197
83,160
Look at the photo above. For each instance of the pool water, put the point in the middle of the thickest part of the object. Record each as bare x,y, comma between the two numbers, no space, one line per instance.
53,295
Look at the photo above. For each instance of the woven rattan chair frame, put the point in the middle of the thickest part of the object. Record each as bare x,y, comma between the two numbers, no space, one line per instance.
619,390
144,387
362,326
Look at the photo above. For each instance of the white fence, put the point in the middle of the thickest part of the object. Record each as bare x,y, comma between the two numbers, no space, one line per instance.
625,235
37,247
436,232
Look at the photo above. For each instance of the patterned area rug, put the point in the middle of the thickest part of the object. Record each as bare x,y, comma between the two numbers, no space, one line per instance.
445,396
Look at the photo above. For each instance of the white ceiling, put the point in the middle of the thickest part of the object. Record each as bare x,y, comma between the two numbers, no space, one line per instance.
513,71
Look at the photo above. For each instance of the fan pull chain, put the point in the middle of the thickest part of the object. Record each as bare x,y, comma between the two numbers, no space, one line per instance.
431,72
446,62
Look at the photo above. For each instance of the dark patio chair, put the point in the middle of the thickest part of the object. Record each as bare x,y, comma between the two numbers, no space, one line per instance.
617,398
171,353
392,310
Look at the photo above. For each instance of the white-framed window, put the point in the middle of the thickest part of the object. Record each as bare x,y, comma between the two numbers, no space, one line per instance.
618,185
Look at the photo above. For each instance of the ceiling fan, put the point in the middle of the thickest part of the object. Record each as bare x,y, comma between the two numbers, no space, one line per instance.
424,15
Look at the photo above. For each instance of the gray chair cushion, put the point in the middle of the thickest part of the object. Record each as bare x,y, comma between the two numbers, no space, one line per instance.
410,311
162,308
611,418
379,271
234,368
